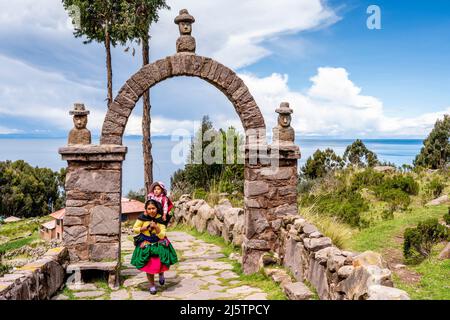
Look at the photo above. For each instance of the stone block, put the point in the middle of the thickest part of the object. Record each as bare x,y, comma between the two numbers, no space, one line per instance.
279,173
214,227
297,291
256,244
309,228
317,276
75,235
377,292
72,221
356,285
255,223
345,271
75,211
293,258
94,181
317,244
104,251
104,220
323,255
368,258
255,188
286,209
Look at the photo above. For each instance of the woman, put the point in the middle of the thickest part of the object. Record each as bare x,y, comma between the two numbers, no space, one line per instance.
153,253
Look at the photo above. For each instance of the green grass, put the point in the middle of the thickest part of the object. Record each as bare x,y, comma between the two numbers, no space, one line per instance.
21,228
15,244
69,293
339,233
259,280
435,274
382,235
435,281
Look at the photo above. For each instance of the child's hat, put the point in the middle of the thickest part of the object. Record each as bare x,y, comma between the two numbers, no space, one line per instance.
160,184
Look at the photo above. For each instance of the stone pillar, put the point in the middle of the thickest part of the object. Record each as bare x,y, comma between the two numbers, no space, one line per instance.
93,202
270,190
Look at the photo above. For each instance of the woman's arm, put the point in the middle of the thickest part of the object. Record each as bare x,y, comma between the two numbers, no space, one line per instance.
137,226
160,230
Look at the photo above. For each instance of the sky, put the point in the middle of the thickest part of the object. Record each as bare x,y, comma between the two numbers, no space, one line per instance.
342,79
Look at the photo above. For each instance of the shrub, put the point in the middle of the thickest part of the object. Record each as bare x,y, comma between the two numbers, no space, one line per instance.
321,163
4,269
435,152
396,198
434,188
304,186
447,216
199,193
344,204
396,190
367,178
419,241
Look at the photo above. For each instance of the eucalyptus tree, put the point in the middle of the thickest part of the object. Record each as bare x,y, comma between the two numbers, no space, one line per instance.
140,14
101,21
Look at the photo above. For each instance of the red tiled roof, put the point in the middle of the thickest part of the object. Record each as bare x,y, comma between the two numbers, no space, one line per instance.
59,214
50,225
131,206
128,206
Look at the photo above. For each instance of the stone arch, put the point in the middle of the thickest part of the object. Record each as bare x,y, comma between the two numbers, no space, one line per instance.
181,64
94,173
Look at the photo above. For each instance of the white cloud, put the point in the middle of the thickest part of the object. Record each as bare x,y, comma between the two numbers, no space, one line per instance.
5,130
233,31
43,16
334,106
27,92
230,31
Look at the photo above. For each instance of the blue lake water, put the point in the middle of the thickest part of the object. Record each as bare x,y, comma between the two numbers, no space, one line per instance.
44,153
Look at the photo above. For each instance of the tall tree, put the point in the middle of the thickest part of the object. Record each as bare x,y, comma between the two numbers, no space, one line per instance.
435,152
27,192
141,14
322,162
100,21
358,155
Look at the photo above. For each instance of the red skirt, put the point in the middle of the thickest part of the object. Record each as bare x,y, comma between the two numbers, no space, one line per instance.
154,266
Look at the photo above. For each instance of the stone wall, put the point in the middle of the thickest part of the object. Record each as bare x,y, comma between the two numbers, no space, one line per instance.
93,197
335,274
38,280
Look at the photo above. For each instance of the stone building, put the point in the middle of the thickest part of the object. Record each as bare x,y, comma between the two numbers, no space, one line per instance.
54,228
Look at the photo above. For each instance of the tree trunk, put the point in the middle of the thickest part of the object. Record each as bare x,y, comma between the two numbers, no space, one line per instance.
146,122
108,65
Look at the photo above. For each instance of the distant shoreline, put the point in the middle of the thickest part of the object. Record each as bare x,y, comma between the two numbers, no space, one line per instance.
168,137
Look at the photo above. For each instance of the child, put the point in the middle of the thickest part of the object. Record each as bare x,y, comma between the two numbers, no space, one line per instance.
153,252
158,192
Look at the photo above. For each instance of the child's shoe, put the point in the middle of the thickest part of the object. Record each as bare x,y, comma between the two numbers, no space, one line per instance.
162,280
153,290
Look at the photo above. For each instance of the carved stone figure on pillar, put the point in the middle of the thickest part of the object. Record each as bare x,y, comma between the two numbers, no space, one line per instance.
185,43
283,133
79,134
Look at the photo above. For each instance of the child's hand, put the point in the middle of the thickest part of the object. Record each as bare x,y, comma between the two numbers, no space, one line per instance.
143,244
164,217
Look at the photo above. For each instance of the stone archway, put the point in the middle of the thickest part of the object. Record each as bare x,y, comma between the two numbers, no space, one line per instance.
94,174
181,64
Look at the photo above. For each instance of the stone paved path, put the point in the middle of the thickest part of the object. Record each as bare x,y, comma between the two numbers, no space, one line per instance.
200,275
